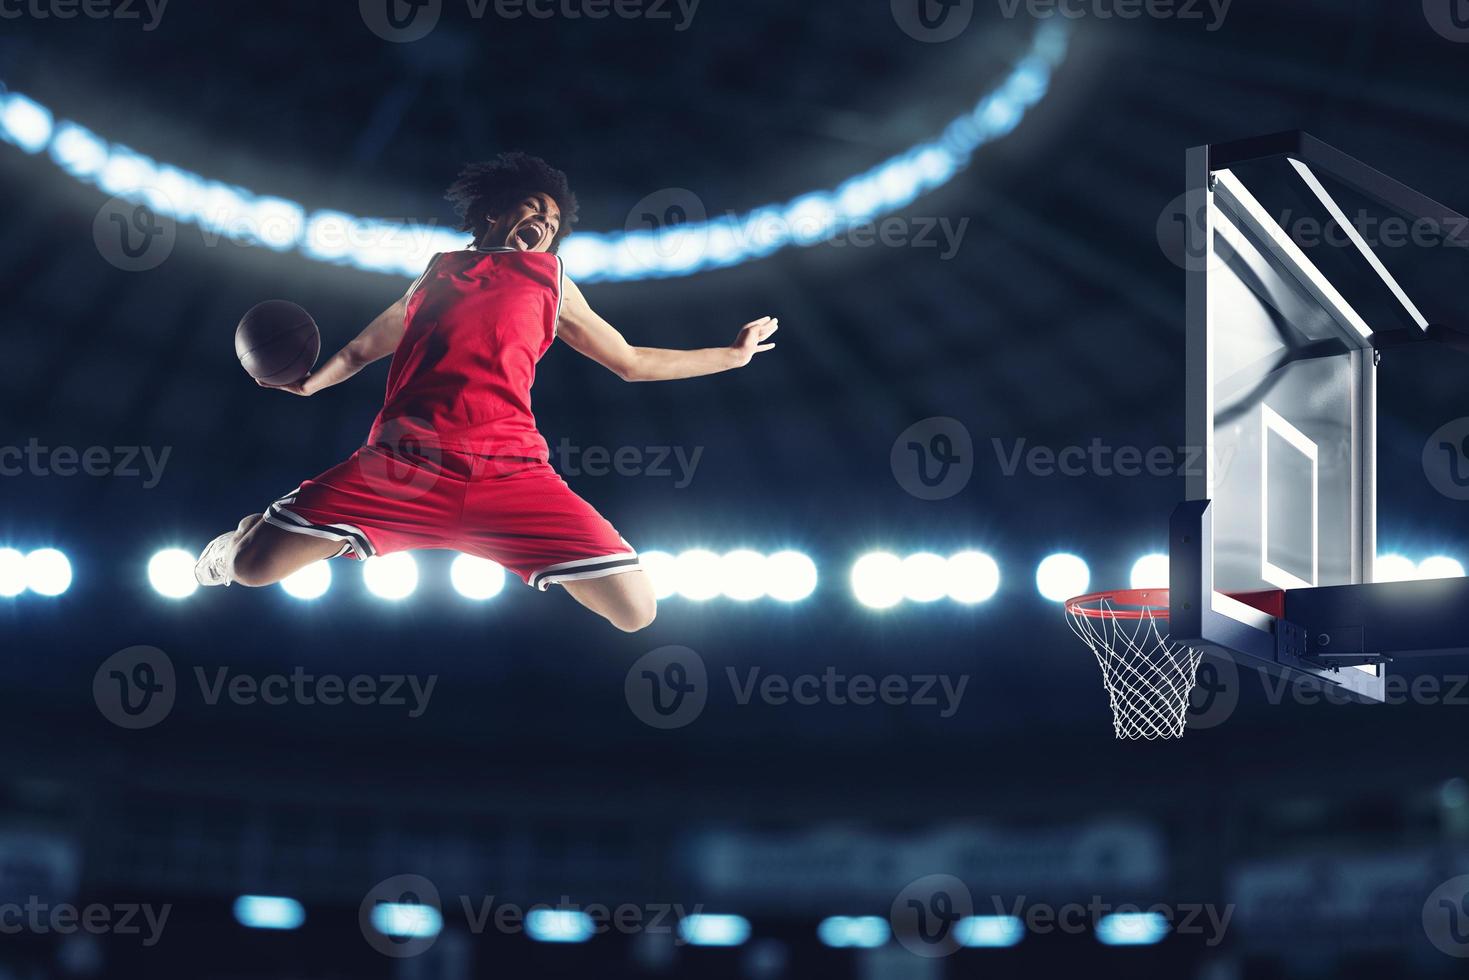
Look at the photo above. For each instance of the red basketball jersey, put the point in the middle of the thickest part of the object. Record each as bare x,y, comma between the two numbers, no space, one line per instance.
477,320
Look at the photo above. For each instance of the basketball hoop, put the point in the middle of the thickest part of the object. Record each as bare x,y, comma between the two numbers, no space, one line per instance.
1148,677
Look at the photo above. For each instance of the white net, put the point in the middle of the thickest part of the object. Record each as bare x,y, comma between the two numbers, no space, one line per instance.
1148,677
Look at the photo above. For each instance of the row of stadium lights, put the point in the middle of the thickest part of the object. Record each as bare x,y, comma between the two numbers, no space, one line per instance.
879,579
400,920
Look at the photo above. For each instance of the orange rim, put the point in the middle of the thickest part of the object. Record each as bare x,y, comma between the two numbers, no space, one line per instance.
1127,604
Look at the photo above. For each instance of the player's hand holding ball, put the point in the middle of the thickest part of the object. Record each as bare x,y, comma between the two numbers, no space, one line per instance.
752,337
277,343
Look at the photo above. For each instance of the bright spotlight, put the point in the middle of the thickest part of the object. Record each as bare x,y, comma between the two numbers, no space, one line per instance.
1440,566
1395,568
698,572
48,572
742,574
1062,577
989,931
311,582
407,920
661,568
269,912
12,573
925,577
391,577
877,580
1149,572
854,931
704,929
972,576
476,578
791,576
1132,929
171,573
559,926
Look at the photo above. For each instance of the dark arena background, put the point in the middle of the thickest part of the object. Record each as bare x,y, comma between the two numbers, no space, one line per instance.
860,740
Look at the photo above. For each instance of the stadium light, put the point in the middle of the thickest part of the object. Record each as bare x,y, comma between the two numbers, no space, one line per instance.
407,920
877,580
1394,568
12,573
973,577
989,931
402,248
699,574
392,577
559,926
791,576
48,572
661,568
1061,577
1132,929
742,575
854,931
171,573
269,912
310,582
1149,572
476,578
704,929
925,577
1440,566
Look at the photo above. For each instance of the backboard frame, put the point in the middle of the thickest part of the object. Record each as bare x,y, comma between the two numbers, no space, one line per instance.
1341,634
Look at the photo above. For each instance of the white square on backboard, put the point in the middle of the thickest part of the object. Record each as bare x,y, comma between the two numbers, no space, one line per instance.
1272,422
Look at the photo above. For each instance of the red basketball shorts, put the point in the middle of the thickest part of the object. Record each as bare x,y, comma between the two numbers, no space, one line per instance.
516,512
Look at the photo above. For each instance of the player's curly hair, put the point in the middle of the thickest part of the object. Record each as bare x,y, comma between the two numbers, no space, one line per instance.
494,186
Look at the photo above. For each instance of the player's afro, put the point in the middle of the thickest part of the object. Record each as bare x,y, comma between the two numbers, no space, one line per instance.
494,186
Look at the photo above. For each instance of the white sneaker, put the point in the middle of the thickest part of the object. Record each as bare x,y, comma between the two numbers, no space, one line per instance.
212,568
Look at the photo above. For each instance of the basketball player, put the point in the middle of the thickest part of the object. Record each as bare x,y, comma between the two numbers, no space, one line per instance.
454,459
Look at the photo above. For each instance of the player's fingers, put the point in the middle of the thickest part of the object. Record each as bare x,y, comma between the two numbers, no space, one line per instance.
764,347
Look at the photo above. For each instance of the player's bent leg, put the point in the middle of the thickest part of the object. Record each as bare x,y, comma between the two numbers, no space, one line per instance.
625,600
265,554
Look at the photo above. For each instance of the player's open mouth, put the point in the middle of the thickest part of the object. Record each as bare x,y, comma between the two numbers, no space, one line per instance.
527,237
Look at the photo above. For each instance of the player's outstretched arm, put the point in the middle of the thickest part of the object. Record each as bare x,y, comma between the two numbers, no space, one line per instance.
594,337
379,339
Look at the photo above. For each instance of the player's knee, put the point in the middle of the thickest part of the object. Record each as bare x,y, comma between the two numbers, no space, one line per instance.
636,614
254,566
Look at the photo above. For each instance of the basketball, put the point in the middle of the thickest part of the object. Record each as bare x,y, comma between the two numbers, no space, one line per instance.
277,342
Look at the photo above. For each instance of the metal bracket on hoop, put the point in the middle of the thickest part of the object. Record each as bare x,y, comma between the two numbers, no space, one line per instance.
1305,633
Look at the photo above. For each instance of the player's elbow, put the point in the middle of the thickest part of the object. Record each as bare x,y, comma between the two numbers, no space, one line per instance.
631,367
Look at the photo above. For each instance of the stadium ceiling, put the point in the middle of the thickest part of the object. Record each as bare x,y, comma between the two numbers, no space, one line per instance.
681,238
